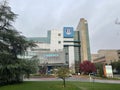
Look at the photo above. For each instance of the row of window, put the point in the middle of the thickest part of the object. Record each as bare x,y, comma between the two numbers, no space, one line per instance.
59,34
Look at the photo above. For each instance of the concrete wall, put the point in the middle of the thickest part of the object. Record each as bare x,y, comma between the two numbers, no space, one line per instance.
108,55
84,39
56,40
42,46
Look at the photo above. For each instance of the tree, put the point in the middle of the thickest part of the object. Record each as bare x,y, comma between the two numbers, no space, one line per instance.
87,67
62,73
99,67
116,65
12,44
29,66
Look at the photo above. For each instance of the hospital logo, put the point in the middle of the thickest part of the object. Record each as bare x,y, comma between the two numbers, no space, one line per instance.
68,31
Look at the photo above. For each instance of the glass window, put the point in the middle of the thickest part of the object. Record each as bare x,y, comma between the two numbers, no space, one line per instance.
59,34
59,42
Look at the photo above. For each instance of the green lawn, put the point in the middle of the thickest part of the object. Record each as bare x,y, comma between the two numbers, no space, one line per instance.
54,85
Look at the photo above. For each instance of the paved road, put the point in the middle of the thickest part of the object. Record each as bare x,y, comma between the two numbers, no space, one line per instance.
74,79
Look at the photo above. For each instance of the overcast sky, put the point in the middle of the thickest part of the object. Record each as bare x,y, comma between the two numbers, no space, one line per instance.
38,16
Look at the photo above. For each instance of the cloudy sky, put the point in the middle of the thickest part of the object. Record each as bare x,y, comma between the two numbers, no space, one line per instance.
38,16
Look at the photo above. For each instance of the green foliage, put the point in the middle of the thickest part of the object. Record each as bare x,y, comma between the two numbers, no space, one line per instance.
12,44
99,67
62,73
29,66
116,65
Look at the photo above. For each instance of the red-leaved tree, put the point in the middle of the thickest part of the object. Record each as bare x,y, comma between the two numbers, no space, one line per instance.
87,67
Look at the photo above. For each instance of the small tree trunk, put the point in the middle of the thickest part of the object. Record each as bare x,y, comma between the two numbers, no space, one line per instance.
64,82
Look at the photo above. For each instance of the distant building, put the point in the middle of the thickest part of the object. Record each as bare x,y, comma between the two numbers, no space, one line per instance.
97,58
107,56
67,47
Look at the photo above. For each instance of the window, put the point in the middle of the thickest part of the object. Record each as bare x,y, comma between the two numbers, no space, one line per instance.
118,52
59,42
59,34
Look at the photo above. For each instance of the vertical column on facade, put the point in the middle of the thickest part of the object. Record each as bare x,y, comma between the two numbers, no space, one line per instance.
71,59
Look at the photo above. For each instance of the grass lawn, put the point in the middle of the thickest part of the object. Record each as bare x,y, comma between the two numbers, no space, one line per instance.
57,85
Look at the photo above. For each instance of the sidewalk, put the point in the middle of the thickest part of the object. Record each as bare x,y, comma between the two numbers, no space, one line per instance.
75,78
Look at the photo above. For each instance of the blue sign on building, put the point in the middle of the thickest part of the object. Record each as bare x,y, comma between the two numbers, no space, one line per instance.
68,32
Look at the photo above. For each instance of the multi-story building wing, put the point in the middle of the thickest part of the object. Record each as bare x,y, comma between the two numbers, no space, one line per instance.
109,55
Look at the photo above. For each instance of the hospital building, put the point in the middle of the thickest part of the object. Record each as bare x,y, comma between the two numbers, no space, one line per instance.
67,47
